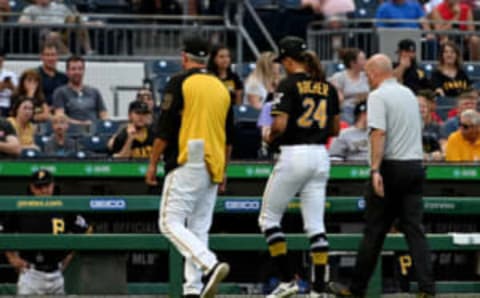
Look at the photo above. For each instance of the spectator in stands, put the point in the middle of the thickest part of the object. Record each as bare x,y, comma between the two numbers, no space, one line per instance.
81,103
401,10
453,112
449,79
21,120
220,63
60,144
9,144
351,83
451,12
432,149
135,140
406,69
4,8
8,83
465,101
431,98
464,144
145,95
52,12
51,77
30,86
352,143
262,81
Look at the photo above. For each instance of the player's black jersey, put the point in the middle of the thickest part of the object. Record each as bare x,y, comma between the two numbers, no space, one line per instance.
310,105
44,223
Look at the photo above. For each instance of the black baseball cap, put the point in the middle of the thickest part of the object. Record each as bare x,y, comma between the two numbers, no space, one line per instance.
360,107
407,45
290,46
138,107
196,46
42,177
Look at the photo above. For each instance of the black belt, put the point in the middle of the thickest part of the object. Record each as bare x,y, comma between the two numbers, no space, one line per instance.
48,268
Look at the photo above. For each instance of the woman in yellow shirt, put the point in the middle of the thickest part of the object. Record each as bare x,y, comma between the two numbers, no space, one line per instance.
464,144
21,119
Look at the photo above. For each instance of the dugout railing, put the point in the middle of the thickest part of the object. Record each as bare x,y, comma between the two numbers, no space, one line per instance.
226,242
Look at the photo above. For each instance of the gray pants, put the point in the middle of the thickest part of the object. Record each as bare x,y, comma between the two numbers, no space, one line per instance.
34,282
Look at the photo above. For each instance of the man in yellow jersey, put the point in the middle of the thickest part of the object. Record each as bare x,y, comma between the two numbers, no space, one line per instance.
192,134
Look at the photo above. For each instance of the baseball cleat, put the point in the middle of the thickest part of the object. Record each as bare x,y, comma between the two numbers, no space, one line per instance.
315,294
216,275
284,289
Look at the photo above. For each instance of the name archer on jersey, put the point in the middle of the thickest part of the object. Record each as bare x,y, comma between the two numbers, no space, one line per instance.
309,87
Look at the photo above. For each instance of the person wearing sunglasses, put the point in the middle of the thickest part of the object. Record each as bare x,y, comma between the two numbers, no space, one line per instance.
464,144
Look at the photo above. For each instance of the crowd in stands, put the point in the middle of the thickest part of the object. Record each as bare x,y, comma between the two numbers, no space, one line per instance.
52,113
48,113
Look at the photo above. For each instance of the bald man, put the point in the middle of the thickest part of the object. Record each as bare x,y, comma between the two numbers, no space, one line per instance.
397,174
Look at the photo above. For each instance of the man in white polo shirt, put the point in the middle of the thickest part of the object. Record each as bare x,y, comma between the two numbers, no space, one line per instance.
396,185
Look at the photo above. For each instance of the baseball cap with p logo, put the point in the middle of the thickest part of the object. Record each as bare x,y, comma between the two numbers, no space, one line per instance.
42,177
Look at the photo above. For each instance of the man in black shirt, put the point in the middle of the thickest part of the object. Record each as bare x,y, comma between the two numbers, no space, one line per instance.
9,145
135,140
406,69
40,272
51,77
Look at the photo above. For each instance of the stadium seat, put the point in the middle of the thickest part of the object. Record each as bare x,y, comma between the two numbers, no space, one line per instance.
95,144
30,153
79,154
428,67
333,67
365,13
166,67
41,140
244,113
17,5
473,71
247,138
107,127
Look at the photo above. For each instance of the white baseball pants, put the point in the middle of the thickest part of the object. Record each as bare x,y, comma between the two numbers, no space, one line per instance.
302,169
186,213
34,282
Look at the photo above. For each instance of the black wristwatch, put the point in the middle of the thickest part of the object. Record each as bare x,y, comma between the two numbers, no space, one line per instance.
373,171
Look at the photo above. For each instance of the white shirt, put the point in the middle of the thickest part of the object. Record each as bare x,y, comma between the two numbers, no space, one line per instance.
254,87
6,94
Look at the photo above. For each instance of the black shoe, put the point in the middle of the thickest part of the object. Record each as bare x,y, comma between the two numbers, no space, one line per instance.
340,290
191,296
216,275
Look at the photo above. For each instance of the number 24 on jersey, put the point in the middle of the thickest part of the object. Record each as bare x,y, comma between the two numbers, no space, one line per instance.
314,112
